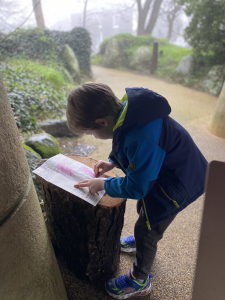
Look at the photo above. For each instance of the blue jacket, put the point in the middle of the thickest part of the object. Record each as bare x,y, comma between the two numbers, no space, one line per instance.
163,165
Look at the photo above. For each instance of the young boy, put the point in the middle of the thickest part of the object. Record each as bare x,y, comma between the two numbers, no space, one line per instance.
165,171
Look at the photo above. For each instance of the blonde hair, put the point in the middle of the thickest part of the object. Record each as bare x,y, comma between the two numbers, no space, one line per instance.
89,102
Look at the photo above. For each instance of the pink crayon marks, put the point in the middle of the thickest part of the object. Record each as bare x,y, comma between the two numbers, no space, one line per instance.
88,172
64,170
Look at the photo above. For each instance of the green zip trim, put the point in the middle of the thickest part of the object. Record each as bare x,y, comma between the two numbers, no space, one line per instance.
119,163
121,118
147,222
175,202
124,98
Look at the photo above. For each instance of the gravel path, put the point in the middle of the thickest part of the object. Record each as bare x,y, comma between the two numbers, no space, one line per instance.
173,269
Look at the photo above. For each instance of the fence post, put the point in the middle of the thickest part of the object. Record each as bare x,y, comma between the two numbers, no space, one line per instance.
154,61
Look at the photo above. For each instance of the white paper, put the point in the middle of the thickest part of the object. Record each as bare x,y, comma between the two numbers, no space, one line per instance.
64,172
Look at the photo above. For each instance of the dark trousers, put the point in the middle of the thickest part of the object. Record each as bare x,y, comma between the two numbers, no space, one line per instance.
146,244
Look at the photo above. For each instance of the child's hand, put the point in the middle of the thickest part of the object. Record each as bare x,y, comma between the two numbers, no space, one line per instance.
104,166
94,185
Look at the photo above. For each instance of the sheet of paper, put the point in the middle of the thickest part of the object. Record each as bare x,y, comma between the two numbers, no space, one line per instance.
64,172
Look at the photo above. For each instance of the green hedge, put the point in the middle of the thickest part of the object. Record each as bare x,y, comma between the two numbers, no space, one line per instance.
79,40
36,43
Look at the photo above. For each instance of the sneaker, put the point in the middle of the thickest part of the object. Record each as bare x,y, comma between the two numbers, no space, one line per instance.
126,286
128,244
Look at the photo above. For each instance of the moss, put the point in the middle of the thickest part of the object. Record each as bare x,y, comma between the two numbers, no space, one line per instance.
33,158
30,149
46,151
44,144
54,139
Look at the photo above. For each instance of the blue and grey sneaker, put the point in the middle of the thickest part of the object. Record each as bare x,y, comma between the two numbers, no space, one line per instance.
128,244
126,286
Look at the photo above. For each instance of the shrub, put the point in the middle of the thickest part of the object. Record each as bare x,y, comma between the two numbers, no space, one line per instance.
206,30
35,91
29,43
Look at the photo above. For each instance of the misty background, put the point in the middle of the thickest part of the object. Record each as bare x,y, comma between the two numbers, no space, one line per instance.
102,19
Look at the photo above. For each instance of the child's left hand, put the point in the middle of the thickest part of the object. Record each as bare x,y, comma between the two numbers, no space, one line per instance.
94,185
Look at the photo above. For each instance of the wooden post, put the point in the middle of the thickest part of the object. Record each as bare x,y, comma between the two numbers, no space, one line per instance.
86,236
154,62
210,268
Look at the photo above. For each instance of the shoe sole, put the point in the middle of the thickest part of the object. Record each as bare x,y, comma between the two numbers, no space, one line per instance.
137,294
128,249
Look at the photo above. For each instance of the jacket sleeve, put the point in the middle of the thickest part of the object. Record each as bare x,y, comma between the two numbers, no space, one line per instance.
145,161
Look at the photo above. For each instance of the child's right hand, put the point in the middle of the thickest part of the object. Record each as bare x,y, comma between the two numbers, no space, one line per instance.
103,166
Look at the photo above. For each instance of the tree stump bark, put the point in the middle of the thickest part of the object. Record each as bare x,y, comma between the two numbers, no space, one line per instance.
86,236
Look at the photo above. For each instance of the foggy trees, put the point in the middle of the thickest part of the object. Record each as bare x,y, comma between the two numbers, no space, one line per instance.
84,18
85,13
206,31
148,13
171,10
13,14
151,10
38,13
9,8
146,23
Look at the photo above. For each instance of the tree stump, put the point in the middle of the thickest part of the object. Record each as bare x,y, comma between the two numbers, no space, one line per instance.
86,236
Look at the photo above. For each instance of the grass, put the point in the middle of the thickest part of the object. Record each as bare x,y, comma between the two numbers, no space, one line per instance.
168,60
96,59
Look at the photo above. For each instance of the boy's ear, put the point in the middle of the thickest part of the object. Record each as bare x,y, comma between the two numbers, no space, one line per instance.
102,122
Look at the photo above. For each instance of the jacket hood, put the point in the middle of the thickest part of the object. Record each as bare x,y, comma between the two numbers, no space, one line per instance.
144,106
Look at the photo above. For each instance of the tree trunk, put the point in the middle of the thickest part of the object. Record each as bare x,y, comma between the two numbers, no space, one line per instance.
154,17
172,13
141,24
28,267
142,15
38,13
86,236
85,13
170,28
217,125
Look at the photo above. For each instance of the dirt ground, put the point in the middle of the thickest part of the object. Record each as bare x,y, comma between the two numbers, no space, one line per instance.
174,266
